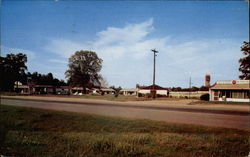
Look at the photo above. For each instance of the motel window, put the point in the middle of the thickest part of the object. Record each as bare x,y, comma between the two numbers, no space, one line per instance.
237,94
247,94
216,93
226,93
240,94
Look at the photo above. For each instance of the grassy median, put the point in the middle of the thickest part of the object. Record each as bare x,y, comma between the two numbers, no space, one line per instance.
36,132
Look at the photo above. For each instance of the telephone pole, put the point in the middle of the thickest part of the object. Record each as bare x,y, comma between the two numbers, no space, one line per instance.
189,87
153,92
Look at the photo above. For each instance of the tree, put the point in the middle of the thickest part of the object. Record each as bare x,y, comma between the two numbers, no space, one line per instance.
12,68
245,62
84,67
104,82
176,89
117,90
44,79
204,88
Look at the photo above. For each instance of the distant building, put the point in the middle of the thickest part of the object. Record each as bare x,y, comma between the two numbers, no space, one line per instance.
160,91
78,90
129,91
39,89
230,90
107,91
20,88
62,90
207,80
43,89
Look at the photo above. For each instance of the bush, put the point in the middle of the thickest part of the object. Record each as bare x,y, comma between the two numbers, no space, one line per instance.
205,97
148,95
116,94
160,96
140,95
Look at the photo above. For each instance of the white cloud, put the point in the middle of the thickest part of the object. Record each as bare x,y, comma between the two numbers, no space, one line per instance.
58,61
112,42
130,34
30,54
7,50
128,58
63,47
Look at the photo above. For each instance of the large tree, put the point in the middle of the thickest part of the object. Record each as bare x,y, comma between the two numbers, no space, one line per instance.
12,68
84,68
245,62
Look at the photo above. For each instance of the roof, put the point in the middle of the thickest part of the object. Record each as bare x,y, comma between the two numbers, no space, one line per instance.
21,86
129,90
78,88
241,86
45,86
107,89
154,87
63,87
232,84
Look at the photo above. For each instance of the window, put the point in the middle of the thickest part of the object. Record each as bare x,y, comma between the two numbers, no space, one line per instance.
226,93
240,94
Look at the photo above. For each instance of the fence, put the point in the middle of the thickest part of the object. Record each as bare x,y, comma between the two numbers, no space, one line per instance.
187,94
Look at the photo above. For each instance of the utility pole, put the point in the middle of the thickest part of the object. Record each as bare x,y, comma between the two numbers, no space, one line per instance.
154,91
189,87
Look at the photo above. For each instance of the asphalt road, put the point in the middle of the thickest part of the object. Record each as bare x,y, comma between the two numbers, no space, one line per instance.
217,117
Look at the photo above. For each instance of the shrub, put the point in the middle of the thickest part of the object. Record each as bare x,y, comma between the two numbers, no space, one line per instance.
116,94
140,95
205,97
148,95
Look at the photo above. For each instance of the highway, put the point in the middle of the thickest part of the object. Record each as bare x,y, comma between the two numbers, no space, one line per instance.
217,117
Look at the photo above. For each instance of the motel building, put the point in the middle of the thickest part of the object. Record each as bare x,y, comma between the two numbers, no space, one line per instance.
160,91
230,90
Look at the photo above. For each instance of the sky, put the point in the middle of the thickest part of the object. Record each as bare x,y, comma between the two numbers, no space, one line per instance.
193,38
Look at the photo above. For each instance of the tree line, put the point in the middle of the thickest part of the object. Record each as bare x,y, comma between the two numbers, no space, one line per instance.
192,89
83,71
44,79
13,68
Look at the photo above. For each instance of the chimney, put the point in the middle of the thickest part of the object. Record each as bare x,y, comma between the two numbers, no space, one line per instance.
207,80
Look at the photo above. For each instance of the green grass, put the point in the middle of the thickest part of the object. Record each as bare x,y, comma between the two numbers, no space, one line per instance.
36,132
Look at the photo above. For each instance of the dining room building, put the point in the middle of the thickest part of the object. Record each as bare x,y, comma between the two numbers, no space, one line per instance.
230,90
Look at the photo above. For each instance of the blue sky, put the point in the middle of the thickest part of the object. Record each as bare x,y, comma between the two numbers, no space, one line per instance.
193,37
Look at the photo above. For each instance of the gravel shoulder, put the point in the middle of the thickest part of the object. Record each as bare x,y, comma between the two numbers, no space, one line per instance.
219,116
176,103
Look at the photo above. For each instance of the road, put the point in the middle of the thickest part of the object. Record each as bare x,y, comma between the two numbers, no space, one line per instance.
202,115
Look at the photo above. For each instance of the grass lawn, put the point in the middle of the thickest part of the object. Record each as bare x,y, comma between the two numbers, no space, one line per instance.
37,132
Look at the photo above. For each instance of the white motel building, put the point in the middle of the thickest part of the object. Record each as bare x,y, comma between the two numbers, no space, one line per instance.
230,90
